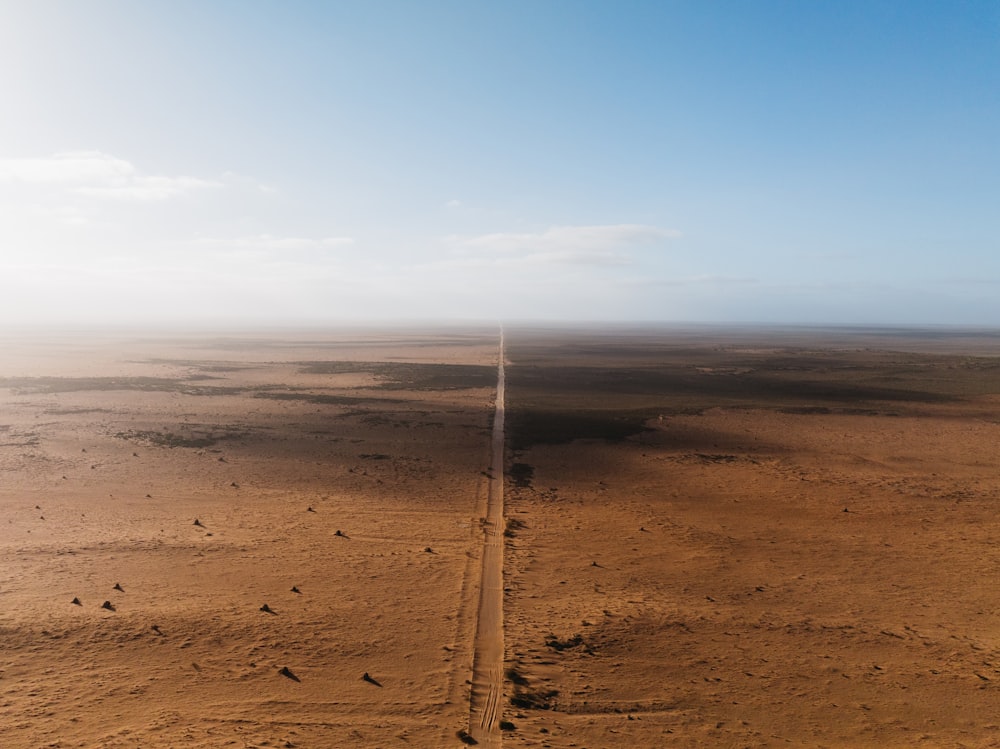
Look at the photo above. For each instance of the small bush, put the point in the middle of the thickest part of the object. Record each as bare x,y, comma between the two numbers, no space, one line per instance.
556,644
513,526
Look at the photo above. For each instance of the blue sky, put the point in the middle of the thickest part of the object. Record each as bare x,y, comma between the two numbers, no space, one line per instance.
305,162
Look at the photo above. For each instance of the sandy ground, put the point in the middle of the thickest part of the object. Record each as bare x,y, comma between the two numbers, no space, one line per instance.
103,482
746,577
743,574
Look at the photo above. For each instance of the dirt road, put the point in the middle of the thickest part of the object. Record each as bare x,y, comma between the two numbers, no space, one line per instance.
487,672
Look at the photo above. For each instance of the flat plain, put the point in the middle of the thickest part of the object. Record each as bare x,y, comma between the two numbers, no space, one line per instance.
753,538
714,537
334,479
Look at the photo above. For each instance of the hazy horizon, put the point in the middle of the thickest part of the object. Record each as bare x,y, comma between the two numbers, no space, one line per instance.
233,165
444,327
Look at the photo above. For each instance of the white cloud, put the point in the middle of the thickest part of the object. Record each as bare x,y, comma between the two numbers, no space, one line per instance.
71,167
581,258
267,242
266,249
595,245
453,204
705,279
241,180
146,188
98,175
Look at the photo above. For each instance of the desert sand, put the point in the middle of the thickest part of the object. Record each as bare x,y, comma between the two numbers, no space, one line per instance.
709,538
208,478
799,548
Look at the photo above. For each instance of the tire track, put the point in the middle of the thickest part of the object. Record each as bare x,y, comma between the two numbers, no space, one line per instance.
485,708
